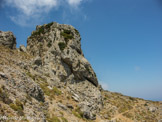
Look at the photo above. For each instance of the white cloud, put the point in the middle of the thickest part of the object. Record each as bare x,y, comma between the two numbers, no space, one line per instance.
31,10
32,7
74,3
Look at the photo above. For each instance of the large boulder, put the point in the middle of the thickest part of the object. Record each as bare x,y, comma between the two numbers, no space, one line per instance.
7,39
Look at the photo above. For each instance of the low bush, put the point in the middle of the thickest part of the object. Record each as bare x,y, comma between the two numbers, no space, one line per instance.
67,34
62,46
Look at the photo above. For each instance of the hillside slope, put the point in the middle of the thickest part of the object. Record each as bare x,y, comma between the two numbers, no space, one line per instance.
50,80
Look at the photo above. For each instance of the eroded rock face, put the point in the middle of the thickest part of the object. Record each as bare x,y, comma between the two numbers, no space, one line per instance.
7,39
57,51
58,48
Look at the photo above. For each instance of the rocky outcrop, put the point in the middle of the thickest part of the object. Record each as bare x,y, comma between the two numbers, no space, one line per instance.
8,39
57,49
59,45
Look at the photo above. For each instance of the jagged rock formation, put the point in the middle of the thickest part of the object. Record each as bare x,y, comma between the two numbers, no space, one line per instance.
58,52
59,45
51,80
8,39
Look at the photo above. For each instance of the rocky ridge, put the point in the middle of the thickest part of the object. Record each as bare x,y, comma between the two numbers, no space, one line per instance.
50,80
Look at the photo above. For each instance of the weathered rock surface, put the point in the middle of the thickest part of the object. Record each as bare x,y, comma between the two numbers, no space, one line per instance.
8,39
57,50
59,46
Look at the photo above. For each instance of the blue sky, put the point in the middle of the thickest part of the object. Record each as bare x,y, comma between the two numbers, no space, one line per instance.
122,39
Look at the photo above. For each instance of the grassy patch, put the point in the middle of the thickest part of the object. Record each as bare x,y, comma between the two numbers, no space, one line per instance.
64,119
18,106
128,115
124,108
45,88
30,75
78,113
50,92
53,119
42,29
56,91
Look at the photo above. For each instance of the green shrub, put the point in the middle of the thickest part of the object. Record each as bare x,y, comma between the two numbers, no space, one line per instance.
39,31
62,46
67,31
49,44
67,34
15,107
49,25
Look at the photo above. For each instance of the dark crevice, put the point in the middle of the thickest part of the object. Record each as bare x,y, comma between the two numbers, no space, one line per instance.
91,81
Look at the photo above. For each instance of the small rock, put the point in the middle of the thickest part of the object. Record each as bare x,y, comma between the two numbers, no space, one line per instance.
70,106
22,48
49,87
152,109
62,106
89,115
3,75
75,98
106,116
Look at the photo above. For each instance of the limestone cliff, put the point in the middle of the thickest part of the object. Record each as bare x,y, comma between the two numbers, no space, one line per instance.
50,80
